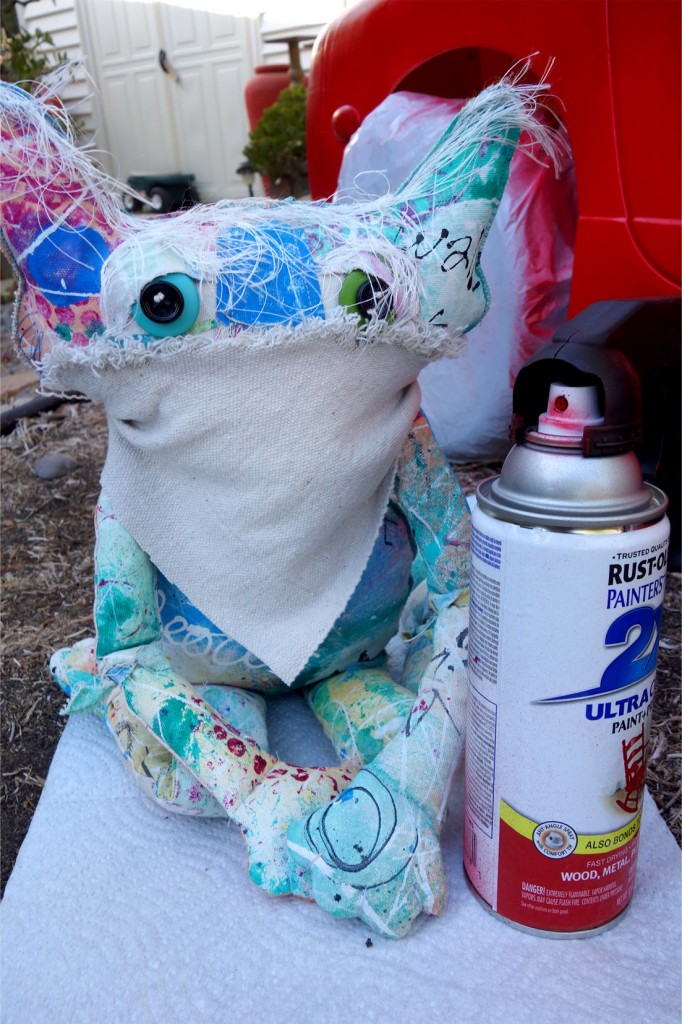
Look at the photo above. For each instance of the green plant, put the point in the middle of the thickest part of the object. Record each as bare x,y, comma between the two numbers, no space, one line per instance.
24,56
277,145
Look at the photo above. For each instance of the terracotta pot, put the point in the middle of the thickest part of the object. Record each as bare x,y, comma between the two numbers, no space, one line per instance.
263,88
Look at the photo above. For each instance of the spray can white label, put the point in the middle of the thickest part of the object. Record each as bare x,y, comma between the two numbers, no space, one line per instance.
563,639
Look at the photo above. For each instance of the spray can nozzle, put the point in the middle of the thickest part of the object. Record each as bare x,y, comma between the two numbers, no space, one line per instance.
570,409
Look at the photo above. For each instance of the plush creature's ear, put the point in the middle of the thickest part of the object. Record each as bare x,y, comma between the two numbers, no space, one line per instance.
446,206
60,221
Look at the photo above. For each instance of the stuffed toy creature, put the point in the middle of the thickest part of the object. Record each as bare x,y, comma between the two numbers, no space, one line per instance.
271,493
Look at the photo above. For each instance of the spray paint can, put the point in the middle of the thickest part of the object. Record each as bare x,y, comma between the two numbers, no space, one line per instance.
569,555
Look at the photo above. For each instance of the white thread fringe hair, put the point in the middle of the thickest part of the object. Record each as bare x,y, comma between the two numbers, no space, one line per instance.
355,236
46,148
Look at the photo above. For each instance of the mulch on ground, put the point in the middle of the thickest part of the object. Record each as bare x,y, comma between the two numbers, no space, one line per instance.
47,598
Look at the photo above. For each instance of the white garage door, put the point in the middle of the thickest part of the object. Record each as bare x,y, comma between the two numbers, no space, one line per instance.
153,123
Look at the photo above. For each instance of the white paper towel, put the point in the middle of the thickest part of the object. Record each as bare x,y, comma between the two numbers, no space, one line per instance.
118,911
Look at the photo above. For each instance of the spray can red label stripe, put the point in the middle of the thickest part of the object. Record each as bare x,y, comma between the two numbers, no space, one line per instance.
577,892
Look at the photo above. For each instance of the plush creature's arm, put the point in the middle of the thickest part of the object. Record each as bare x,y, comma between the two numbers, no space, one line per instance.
125,663
191,753
437,512
374,852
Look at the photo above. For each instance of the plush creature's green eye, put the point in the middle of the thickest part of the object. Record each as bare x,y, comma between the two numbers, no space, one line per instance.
168,306
366,295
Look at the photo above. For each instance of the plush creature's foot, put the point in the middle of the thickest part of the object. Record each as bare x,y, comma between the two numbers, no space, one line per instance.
373,854
284,795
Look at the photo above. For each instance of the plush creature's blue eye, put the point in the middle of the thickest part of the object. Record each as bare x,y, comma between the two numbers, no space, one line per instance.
168,306
366,295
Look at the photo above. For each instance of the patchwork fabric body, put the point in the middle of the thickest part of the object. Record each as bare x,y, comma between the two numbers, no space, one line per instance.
271,494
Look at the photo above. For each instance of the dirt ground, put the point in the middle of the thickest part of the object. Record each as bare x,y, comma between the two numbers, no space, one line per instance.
46,601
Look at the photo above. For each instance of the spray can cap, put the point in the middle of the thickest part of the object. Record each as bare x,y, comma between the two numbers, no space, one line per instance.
581,357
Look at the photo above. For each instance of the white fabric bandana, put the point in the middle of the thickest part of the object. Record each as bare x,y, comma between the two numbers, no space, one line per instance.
256,479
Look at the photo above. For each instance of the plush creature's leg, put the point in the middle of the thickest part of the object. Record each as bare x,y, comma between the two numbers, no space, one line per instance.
374,853
360,709
169,728
154,768
157,771
262,794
